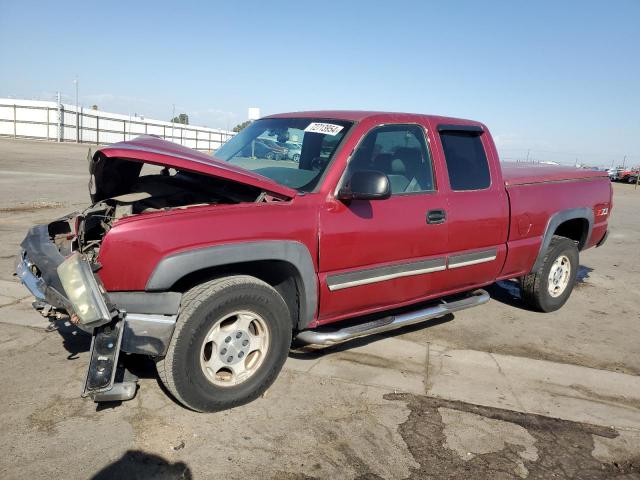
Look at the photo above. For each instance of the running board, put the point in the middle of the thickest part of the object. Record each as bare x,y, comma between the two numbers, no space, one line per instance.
331,336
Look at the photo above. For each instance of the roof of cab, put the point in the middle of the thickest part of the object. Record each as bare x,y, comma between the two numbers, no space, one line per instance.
360,115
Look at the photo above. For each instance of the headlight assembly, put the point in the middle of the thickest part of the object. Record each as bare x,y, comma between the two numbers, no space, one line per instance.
83,291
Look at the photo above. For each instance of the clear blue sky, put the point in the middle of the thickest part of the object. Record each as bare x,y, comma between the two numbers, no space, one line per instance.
561,78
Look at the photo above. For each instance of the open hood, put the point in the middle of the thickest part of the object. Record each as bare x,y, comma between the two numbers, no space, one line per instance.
154,150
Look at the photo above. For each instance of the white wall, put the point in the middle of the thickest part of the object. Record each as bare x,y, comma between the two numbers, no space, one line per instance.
38,119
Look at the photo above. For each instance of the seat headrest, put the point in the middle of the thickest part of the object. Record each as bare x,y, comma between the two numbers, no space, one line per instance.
408,155
398,167
390,164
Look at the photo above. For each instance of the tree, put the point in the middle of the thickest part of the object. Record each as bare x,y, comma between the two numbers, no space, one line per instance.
241,126
183,119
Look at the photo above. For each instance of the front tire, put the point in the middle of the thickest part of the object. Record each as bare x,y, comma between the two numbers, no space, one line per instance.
548,288
230,342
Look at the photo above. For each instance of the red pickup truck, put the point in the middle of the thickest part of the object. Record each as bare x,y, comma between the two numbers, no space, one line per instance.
212,265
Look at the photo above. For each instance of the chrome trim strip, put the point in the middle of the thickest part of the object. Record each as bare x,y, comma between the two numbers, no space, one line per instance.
381,274
466,259
472,262
151,317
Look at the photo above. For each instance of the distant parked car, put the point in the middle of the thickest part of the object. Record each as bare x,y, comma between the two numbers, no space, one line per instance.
275,150
618,174
265,148
294,151
626,175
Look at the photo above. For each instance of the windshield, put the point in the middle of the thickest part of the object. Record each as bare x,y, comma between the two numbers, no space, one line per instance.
291,151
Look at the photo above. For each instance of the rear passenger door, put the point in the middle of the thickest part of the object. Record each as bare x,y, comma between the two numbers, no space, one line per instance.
477,206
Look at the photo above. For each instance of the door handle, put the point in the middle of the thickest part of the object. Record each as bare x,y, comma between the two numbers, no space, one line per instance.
436,216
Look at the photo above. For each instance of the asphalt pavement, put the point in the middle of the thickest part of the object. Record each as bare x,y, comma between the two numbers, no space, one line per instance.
492,392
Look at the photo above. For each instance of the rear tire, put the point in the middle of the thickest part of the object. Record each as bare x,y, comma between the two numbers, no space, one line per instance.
549,287
213,318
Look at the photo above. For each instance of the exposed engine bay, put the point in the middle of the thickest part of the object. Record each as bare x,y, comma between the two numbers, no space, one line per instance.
119,188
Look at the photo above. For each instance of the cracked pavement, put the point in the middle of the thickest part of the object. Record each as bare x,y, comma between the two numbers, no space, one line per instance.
493,392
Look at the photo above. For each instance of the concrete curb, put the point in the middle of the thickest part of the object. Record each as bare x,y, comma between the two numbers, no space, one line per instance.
557,390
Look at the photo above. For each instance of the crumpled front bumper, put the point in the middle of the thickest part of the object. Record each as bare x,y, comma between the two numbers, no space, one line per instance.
24,271
149,318
36,266
137,322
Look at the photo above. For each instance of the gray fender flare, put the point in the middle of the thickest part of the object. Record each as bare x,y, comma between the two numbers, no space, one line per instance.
557,219
173,267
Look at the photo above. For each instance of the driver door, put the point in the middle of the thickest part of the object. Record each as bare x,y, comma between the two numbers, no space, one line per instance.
375,254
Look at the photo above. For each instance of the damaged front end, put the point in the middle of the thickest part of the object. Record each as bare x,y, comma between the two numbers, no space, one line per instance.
59,270
54,269
60,263
67,288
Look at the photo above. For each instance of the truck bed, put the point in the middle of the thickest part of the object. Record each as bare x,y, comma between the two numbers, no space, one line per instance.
538,192
526,173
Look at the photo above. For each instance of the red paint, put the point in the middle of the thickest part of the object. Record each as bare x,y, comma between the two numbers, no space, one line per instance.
510,216
525,173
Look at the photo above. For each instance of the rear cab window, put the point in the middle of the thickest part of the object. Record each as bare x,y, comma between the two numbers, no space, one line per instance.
466,159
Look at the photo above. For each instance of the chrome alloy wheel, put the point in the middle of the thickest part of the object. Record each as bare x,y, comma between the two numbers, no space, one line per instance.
559,276
234,348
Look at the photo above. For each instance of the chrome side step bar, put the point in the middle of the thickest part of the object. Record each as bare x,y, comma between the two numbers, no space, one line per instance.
331,336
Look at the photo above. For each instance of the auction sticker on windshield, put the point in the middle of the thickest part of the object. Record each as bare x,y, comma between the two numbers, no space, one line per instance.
326,128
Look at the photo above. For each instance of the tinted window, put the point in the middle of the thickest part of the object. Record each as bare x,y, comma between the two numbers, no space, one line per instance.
466,161
399,151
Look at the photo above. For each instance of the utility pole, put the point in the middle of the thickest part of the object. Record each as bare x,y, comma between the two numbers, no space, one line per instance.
173,117
528,150
624,160
77,112
60,132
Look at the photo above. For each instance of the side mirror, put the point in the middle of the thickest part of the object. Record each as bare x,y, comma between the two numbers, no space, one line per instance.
366,185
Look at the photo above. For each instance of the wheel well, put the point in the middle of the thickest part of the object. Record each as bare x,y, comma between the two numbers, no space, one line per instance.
576,229
281,275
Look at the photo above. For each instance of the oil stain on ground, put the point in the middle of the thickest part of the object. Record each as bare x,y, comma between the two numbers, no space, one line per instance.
502,444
